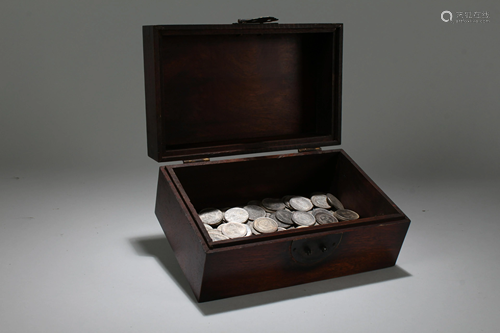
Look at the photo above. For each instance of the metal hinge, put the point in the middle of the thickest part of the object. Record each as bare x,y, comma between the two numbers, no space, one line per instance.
303,150
263,19
197,160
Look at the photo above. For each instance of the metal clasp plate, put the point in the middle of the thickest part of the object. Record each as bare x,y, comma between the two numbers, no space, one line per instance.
311,251
263,19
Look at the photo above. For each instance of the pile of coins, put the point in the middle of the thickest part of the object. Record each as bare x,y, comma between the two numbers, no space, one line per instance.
272,214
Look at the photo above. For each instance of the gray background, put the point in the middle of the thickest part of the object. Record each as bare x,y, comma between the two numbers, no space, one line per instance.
80,247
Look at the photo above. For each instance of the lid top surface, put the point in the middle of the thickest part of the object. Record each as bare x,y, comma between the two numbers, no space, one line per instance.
234,89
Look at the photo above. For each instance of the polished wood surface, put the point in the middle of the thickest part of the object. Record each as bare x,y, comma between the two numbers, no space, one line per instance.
234,89
372,242
218,90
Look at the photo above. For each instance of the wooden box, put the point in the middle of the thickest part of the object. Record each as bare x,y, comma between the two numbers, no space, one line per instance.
220,90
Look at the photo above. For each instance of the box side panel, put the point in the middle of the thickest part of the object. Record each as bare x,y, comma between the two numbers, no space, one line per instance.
152,86
181,234
272,265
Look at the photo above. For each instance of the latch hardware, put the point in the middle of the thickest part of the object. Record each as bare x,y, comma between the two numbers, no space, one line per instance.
258,20
303,150
196,160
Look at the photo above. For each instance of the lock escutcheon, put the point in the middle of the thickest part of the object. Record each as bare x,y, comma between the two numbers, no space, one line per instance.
311,251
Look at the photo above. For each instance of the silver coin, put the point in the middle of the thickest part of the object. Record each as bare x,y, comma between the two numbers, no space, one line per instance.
286,200
280,224
254,203
334,202
273,204
265,225
249,230
220,226
301,204
250,224
208,227
284,217
273,216
267,214
237,215
254,212
321,210
211,216
325,218
303,218
320,201
346,215
217,235
234,230
281,229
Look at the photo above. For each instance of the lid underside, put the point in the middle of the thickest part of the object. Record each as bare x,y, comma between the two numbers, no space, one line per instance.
235,89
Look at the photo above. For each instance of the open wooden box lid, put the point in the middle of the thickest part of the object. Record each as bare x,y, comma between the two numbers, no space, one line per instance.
214,90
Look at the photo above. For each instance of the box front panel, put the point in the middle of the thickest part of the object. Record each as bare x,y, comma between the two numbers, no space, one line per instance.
273,265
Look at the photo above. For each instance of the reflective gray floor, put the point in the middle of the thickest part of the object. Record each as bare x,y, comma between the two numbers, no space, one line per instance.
82,251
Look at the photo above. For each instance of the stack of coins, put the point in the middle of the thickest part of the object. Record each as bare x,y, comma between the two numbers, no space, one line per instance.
272,214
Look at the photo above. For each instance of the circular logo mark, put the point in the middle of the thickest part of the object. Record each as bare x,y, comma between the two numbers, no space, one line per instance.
444,14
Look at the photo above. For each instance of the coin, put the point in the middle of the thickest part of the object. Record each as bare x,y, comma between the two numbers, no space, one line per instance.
300,203
321,210
238,215
250,224
211,216
284,217
234,230
281,229
303,218
280,224
207,227
273,204
249,230
334,202
346,215
319,200
254,212
217,235
265,225
325,218
286,200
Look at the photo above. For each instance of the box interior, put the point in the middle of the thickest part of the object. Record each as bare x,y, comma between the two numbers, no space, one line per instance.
234,183
246,88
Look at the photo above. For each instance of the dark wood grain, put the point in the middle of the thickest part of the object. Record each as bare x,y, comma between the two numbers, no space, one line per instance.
228,89
182,233
249,269
216,90
372,242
